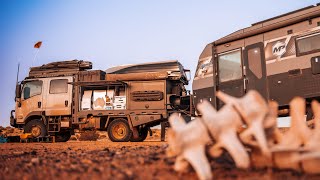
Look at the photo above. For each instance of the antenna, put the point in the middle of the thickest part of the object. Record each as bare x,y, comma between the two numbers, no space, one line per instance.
18,73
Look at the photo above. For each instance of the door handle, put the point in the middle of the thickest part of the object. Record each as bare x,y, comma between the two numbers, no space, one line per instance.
66,103
39,104
245,81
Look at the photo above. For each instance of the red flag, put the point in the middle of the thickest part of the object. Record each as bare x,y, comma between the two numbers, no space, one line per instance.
38,45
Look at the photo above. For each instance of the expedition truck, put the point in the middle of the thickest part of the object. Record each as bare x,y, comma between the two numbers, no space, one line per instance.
279,57
126,101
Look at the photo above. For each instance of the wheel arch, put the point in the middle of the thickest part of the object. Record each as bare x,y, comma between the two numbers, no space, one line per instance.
111,118
36,115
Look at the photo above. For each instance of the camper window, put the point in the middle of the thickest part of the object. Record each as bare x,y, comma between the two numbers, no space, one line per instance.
230,66
205,68
58,86
32,88
308,44
254,60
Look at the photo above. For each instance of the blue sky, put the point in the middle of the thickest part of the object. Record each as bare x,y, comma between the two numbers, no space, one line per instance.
111,33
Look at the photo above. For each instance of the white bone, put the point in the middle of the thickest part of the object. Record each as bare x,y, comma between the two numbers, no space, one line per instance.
258,160
223,127
187,142
253,110
310,159
286,152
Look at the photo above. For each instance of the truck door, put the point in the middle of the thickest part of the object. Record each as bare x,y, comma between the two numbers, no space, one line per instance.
255,69
230,76
58,96
31,100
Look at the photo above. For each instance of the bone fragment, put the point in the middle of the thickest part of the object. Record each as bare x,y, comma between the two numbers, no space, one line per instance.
223,127
310,159
258,160
253,110
187,142
286,151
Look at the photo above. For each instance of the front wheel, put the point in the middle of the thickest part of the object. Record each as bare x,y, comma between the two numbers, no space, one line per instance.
119,130
36,128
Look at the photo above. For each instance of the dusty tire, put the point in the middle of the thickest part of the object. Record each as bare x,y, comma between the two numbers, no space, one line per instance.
119,130
143,134
63,137
309,114
36,128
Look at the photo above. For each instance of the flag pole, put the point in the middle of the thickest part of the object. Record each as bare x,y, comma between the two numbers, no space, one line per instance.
37,46
35,56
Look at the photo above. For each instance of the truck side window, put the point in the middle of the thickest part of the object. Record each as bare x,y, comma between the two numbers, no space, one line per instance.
308,44
230,66
31,89
58,86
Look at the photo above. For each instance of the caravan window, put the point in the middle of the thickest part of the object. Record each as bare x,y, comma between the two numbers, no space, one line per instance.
230,66
308,44
204,68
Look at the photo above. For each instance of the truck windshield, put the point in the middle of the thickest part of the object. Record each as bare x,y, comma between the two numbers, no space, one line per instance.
32,88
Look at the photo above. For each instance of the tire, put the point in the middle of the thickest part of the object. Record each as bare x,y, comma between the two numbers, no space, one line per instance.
143,133
63,136
36,128
310,115
119,130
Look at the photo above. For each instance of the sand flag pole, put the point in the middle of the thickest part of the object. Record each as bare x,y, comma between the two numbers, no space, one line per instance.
37,46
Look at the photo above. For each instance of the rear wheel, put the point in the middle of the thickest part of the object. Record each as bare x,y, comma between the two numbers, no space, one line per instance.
36,128
143,133
119,130
63,136
310,115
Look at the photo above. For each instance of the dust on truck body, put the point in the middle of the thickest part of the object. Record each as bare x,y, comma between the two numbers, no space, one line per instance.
59,97
279,57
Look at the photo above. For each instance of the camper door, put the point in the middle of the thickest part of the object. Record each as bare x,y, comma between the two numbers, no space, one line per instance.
255,69
230,75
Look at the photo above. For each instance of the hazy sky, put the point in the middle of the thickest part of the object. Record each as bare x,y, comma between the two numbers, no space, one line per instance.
111,33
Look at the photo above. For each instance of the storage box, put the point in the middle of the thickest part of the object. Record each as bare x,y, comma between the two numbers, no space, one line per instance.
86,100
99,99
120,99
94,75
109,107
119,106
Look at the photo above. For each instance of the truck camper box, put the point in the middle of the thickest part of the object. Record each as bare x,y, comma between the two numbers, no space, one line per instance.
279,57
125,101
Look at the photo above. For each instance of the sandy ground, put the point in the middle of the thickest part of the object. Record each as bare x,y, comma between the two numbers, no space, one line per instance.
103,159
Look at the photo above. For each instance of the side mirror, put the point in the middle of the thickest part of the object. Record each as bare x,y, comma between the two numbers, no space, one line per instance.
18,91
188,74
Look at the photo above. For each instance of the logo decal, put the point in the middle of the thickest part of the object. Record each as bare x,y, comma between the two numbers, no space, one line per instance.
279,48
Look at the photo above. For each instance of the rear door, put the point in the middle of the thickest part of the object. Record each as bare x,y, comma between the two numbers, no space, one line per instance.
58,96
255,69
230,75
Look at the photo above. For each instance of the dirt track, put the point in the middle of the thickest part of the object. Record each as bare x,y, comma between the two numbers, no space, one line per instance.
104,159
108,160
